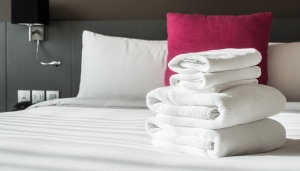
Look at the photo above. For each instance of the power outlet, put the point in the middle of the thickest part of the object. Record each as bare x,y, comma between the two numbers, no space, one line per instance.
23,95
52,95
38,96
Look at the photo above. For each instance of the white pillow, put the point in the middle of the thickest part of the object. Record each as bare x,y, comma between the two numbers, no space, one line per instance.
284,69
121,69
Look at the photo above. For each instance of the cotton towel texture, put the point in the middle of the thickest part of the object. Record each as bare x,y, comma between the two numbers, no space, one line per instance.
238,105
215,106
255,137
215,60
216,81
215,71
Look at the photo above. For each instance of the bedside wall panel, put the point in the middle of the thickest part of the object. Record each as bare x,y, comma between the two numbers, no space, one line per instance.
2,66
157,9
23,70
19,69
285,30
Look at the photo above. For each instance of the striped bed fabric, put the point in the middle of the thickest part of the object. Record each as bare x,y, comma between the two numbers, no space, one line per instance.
82,137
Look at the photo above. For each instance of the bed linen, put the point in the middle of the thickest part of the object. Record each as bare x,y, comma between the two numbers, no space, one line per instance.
120,68
68,137
284,71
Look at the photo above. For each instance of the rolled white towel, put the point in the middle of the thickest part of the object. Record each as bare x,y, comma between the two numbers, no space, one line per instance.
215,60
188,87
202,80
237,105
254,137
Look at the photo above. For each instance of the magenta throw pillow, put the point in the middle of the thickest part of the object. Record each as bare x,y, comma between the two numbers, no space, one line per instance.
196,33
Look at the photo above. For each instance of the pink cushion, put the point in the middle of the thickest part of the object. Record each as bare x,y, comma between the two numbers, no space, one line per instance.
195,33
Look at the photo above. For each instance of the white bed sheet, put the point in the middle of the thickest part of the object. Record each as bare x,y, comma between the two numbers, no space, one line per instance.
85,138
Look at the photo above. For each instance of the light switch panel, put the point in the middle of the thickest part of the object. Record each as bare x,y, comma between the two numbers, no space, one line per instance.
23,95
52,95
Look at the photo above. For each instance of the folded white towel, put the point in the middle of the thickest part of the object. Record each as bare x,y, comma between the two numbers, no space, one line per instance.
238,105
255,137
188,87
202,80
215,60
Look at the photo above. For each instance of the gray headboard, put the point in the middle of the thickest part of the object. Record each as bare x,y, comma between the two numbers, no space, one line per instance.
19,69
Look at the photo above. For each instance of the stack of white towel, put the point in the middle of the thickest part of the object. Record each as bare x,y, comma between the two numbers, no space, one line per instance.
214,106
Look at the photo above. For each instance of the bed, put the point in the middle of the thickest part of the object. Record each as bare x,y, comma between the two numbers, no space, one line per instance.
84,137
79,134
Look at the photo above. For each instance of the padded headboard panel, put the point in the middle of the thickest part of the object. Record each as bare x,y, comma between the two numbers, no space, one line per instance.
283,30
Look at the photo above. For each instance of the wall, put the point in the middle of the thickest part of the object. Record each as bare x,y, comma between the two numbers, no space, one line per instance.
157,9
20,70
23,70
2,66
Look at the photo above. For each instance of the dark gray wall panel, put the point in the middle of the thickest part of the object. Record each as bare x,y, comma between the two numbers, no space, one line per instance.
23,70
285,30
2,66
157,9
149,30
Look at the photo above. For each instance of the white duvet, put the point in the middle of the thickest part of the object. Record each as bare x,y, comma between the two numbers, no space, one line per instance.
73,135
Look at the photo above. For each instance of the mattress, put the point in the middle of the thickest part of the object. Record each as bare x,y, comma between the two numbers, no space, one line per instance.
78,137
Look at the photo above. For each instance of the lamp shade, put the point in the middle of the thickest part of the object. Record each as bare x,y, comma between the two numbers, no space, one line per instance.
30,12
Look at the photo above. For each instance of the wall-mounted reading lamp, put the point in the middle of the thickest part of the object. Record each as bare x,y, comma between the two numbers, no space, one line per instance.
34,14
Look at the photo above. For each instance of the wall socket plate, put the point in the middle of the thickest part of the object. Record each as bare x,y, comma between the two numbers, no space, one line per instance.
23,95
52,95
38,96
